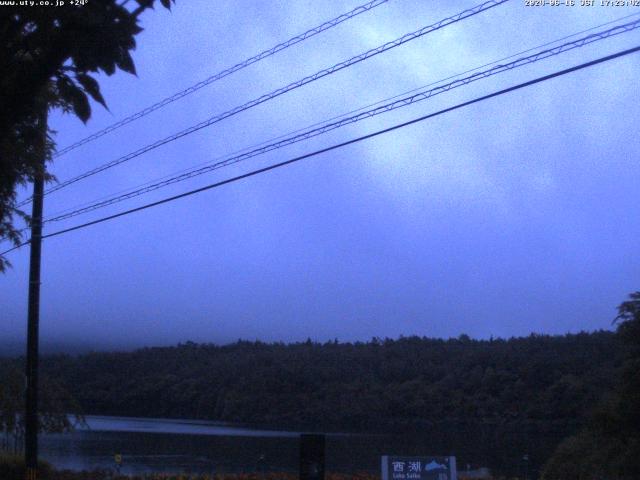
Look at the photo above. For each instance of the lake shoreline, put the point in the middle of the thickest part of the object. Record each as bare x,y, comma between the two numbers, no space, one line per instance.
150,446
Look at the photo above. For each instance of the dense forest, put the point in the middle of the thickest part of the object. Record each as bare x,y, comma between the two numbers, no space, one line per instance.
377,385
489,401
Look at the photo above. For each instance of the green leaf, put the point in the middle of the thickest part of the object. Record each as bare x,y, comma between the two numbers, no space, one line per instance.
91,86
125,62
81,105
73,96
108,67
145,3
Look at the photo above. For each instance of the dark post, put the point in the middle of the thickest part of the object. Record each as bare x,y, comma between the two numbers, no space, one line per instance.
312,457
31,410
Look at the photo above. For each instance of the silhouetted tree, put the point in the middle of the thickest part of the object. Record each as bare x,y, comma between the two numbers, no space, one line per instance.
609,446
47,57
59,412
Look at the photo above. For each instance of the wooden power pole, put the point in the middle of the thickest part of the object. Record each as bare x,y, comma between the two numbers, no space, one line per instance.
33,321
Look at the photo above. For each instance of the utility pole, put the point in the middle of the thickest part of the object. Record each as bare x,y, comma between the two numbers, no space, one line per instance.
33,321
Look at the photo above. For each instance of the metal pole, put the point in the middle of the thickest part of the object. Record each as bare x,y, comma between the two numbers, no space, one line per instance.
31,407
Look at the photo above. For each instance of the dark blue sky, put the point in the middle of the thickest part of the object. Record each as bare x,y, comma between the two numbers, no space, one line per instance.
516,215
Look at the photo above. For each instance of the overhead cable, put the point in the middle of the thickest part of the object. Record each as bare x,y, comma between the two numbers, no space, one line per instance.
342,115
399,103
341,145
224,73
264,98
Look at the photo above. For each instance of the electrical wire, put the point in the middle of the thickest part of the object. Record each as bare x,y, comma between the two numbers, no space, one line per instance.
273,139
292,86
224,73
343,144
403,102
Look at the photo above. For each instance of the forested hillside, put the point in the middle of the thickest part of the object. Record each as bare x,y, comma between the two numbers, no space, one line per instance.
379,385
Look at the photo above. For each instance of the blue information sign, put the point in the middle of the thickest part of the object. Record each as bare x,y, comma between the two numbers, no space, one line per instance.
418,468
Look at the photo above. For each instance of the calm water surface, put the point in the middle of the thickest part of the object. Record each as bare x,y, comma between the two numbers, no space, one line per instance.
167,445
191,446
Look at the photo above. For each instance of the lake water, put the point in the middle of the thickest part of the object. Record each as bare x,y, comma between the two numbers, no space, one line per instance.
191,446
149,445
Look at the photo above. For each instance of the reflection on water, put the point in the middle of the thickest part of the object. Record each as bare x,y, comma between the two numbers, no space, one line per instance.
191,446
166,445
176,426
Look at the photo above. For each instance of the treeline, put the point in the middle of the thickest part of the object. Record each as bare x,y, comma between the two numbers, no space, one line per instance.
379,385
608,446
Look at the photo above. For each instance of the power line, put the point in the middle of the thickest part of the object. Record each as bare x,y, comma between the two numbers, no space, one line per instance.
343,144
224,73
273,139
292,86
403,102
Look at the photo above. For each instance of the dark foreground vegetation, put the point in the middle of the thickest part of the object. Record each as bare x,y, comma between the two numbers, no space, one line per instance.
12,468
572,401
608,446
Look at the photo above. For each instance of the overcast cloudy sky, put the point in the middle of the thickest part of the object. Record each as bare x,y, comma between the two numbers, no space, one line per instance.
519,214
